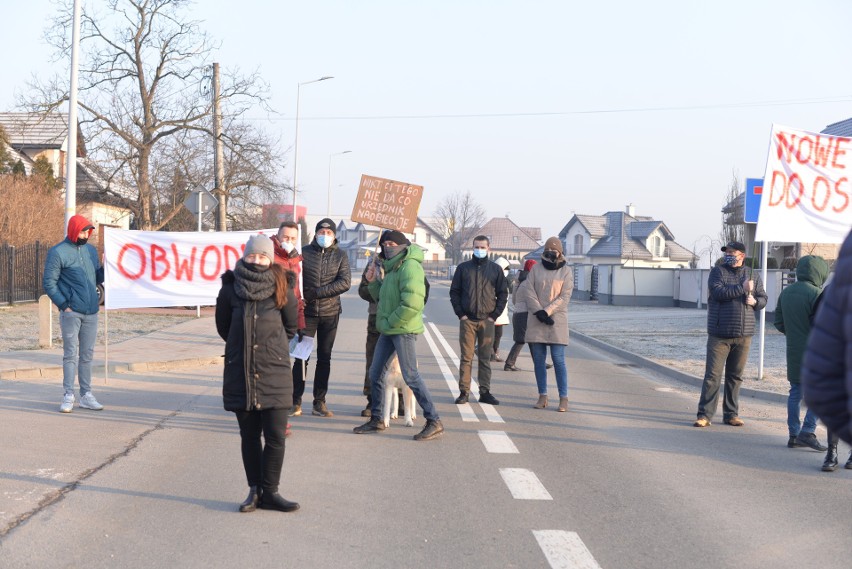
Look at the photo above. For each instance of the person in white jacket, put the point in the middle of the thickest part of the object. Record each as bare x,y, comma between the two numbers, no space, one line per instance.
504,316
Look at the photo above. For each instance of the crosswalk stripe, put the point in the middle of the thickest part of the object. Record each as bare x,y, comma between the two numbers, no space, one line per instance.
466,411
524,484
498,442
565,549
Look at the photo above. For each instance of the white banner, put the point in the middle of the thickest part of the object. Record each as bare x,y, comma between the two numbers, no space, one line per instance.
158,268
806,188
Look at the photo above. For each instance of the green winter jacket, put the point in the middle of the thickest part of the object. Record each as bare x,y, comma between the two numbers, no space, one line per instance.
795,310
401,294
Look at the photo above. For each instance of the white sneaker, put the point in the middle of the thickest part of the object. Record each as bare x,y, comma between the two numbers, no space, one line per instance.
67,403
88,401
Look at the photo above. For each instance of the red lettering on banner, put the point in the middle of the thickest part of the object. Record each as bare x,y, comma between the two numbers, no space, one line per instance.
845,195
806,149
772,201
211,249
782,145
120,262
158,255
838,152
184,266
788,192
821,181
232,252
821,194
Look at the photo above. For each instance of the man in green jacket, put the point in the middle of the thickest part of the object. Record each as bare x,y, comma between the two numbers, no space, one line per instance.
794,314
401,295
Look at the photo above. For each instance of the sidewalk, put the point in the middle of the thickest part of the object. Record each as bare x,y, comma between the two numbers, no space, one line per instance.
191,343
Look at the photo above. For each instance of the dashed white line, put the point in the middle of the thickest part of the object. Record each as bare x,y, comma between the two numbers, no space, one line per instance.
497,442
466,411
565,549
524,484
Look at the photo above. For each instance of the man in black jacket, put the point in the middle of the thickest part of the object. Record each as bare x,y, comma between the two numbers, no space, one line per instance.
735,294
479,293
325,276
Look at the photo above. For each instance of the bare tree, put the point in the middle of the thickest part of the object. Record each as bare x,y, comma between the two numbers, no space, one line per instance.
733,221
32,211
144,66
457,218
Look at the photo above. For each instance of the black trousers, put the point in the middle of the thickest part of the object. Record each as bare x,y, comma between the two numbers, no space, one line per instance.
263,462
323,329
370,347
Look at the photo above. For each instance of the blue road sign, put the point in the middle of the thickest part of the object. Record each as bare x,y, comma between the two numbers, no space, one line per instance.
754,189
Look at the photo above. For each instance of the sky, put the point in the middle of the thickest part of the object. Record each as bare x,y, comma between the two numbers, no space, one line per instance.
541,109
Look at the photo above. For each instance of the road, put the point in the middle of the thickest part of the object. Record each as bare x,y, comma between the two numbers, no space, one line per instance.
622,480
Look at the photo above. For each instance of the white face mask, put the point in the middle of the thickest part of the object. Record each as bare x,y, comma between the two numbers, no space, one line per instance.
287,246
480,253
324,240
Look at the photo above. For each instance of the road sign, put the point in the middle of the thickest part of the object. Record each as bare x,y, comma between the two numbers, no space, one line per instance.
208,202
754,189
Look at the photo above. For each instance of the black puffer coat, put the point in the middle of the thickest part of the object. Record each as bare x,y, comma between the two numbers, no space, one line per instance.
325,276
728,316
257,354
827,368
479,290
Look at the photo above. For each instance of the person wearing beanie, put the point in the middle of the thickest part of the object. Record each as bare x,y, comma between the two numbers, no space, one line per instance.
400,295
72,272
325,276
478,293
257,316
546,294
503,319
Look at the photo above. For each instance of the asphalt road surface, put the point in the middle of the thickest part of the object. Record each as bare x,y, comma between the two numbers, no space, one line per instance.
622,480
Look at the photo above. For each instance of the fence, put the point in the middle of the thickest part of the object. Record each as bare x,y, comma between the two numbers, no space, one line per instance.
21,271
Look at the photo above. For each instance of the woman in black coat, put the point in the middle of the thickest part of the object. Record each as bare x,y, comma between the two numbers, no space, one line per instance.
256,315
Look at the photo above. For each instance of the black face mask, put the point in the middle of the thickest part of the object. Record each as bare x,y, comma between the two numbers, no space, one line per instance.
550,255
256,268
81,242
391,252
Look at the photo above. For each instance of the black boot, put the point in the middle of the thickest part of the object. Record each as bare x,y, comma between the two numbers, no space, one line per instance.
274,501
830,464
486,397
430,431
252,500
374,425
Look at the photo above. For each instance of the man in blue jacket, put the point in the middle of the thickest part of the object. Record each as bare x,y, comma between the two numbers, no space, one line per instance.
735,294
71,275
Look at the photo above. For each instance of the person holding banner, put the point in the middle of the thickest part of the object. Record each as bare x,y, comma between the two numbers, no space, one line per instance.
735,294
71,275
401,295
325,276
257,315
479,293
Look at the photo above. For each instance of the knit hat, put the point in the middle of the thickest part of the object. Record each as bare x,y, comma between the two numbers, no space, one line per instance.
528,264
396,236
554,244
327,224
260,245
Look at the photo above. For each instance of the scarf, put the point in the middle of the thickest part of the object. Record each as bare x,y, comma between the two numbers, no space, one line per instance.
253,285
552,266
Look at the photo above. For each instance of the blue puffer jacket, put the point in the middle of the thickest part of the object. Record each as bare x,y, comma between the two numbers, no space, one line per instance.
728,316
72,271
827,369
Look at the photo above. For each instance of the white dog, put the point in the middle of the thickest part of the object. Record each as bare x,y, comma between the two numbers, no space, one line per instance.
390,405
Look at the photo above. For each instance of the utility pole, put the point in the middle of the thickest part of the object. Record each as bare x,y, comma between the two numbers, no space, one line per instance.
219,157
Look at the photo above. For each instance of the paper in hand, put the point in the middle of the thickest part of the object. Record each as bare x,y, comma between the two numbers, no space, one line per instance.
301,350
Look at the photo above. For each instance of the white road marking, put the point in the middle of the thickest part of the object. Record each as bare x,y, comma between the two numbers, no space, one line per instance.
497,442
466,411
524,484
565,549
490,412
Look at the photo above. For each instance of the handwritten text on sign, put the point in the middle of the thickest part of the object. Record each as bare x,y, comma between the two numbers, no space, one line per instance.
387,203
806,192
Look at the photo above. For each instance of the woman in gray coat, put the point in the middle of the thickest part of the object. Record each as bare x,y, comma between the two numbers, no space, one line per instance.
547,293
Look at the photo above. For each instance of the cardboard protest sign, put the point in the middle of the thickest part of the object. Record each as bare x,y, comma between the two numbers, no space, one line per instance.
806,188
387,203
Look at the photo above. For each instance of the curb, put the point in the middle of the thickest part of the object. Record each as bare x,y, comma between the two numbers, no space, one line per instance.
55,372
669,372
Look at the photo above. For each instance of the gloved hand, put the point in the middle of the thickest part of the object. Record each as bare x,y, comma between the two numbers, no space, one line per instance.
542,316
300,334
550,321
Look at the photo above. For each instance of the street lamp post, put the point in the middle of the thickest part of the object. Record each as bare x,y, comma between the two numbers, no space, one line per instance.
328,204
296,143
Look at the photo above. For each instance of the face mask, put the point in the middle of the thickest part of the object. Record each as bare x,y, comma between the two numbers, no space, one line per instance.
391,252
82,242
730,260
550,255
505,272
256,268
287,246
480,253
324,240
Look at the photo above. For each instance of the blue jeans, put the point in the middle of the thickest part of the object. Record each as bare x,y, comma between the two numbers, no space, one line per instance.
794,425
79,332
730,354
557,354
405,347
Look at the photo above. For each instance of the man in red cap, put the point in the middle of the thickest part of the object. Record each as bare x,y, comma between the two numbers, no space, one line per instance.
71,275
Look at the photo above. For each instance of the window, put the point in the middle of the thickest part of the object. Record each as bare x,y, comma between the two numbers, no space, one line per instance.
578,245
516,239
657,246
429,239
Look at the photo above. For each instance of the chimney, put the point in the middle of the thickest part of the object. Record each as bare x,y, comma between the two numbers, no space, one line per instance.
631,210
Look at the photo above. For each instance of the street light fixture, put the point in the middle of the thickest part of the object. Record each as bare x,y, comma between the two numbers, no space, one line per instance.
328,204
296,143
